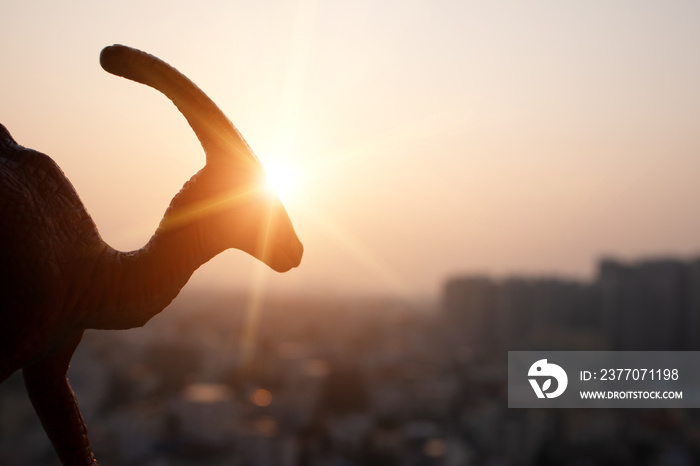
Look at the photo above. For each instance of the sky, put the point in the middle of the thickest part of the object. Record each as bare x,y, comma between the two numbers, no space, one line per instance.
428,139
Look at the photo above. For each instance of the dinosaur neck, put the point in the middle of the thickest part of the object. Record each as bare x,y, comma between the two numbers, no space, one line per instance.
138,285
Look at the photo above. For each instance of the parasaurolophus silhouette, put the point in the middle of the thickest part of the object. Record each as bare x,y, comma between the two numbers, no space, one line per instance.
58,277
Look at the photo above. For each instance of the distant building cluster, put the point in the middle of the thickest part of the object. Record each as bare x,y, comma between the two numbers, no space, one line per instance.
356,382
644,306
651,306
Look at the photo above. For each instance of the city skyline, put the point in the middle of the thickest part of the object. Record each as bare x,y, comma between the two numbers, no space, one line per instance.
430,139
373,381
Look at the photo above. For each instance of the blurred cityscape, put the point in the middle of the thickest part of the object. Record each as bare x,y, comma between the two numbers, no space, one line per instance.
374,382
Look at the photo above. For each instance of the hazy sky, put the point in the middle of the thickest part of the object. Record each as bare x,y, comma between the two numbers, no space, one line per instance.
429,138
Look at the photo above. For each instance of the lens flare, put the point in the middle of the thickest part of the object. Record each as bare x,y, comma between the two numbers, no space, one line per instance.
281,180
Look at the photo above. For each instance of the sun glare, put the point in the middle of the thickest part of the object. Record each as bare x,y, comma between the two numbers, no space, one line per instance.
281,180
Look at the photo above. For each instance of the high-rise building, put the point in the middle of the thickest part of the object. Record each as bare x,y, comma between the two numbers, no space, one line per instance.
492,317
652,305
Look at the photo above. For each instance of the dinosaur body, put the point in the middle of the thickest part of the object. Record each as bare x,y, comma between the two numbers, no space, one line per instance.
58,277
48,239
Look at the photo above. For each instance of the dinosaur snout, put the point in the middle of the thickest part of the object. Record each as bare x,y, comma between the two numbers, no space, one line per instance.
286,257
296,252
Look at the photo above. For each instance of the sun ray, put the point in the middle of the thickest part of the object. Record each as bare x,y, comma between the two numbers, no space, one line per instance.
291,96
190,214
252,314
283,187
209,207
361,252
253,310
297,66
390,144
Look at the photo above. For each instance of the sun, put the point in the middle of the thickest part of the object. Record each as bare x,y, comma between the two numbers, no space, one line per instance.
281,179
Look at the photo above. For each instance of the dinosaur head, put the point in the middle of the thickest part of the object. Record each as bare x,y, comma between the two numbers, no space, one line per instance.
252,219
226,204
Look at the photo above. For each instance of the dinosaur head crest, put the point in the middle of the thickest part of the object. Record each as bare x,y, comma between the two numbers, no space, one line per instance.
225,205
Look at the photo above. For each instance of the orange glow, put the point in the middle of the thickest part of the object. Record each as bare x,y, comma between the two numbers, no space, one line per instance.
261,397
428,150
316,368
266,426
206,393
434,448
